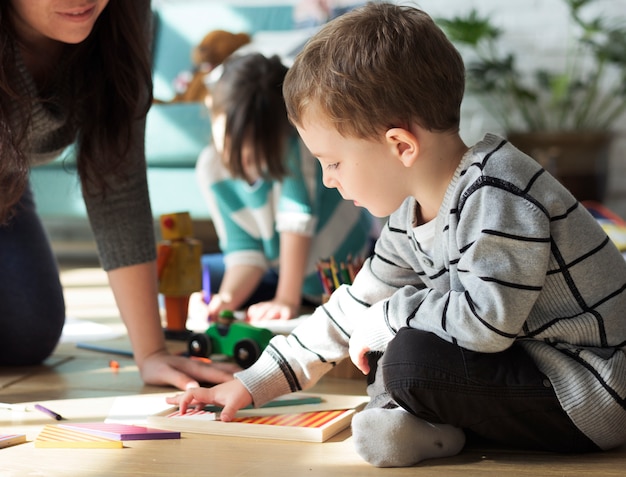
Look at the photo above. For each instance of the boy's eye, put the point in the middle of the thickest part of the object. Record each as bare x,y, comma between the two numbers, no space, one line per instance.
335,165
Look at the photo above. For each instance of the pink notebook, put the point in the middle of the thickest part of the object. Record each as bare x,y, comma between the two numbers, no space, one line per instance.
121,432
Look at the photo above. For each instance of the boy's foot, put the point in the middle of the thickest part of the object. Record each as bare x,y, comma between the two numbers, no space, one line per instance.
396,438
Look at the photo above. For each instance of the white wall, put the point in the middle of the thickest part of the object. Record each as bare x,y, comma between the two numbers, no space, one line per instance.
536,30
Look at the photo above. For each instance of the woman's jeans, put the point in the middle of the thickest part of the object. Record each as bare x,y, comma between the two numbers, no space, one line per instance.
32,309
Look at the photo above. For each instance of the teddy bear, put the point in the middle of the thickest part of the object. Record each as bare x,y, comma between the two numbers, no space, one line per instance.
214,48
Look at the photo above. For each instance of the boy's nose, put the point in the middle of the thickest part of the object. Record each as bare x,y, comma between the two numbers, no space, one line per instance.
329,181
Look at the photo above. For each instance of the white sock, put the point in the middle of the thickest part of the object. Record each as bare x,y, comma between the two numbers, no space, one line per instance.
396,438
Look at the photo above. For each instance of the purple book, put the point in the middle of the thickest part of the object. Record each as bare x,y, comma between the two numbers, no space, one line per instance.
121,432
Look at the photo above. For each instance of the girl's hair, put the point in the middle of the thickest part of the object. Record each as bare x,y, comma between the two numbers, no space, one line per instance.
249,93
377,67
111,87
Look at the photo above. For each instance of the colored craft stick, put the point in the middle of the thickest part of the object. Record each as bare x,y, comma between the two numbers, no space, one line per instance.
345,276
325,284
334,272
350,267
307,419
276,403
49,412
104,349
195,413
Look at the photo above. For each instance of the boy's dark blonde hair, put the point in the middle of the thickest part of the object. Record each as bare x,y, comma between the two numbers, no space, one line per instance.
377,67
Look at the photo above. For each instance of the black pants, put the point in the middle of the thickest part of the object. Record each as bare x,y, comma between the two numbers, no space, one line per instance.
32,310
496,398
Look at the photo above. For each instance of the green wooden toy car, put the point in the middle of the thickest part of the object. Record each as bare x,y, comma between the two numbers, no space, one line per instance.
234,338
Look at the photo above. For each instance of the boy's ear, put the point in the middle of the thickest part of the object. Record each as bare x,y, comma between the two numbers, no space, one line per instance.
405,145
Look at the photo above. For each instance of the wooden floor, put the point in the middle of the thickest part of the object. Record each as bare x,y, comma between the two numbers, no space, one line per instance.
80,385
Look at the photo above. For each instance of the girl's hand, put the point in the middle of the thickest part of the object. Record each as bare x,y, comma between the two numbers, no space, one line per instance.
184,373
272,310
232,396
216,305
197,305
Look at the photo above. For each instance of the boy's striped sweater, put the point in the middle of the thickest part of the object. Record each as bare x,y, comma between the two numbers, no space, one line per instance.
515,257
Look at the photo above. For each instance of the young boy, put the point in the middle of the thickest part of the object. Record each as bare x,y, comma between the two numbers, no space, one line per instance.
497,302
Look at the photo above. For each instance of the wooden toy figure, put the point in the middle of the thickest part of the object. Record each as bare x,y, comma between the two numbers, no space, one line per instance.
179,270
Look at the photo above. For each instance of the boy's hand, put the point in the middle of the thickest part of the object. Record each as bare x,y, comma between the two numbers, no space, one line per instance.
231,395
358,349
358,355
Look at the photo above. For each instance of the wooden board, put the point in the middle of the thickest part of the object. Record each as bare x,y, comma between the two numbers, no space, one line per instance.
316,426
307,422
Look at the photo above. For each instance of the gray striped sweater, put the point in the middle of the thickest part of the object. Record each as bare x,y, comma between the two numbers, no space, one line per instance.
515,257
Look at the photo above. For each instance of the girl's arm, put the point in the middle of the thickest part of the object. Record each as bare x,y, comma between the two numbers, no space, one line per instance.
237,286
294,252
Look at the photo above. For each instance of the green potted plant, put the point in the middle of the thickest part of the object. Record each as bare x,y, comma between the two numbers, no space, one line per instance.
562,117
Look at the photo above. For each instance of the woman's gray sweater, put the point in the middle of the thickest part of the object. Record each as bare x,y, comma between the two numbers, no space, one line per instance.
122,220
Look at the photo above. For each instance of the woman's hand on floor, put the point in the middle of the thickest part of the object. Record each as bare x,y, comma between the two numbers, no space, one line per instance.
184,373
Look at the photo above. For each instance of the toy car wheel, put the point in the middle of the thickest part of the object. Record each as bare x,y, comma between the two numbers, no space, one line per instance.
246,353
199,344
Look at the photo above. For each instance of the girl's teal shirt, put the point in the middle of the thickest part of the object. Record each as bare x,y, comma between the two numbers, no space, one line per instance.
249,218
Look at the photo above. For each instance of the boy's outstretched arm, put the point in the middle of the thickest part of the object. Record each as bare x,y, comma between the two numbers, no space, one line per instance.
231,395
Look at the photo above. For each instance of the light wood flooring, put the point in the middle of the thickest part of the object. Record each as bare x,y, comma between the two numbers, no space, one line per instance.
80,385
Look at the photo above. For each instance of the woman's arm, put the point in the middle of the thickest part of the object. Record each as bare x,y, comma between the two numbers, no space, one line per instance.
135,291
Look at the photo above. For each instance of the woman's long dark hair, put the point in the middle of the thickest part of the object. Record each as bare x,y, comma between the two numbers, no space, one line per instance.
112,80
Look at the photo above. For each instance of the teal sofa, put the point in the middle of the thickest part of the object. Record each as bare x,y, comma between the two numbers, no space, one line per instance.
175,133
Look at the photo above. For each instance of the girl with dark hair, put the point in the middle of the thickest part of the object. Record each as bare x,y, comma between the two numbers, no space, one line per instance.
78,72
273,215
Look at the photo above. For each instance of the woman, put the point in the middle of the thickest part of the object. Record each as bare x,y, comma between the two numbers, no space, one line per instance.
77,71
